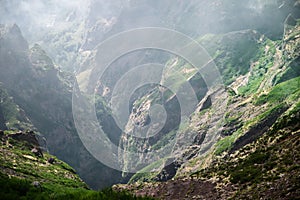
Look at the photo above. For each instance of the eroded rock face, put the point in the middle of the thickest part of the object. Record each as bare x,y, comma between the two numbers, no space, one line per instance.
2,120
246,137
45,94
168,171
29,137
143,131
204,126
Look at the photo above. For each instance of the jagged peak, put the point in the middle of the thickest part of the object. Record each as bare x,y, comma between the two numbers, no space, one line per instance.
10,29
12,35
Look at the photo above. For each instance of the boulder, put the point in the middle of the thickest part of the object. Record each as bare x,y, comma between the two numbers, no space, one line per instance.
37,152
37,184
51,160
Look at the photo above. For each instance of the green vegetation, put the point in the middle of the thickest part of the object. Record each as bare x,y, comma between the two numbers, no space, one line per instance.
14,188
11,112
148,173
287,120
276,98
268,162
226,143
20,168
233,53
17,157
101,106
164,140
232,119
280,92
258,166
265,60
292,71
250,169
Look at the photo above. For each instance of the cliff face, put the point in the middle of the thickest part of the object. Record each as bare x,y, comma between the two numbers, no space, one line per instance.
43,94
242,57
253,153
254,45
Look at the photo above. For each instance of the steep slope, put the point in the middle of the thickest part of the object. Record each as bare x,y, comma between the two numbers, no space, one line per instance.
267,168
248,61
234,54
27,172
193,18
256,154
69,31
11,115
22,157
251,63
44,93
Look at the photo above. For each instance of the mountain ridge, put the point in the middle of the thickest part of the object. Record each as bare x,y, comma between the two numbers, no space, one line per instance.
231,140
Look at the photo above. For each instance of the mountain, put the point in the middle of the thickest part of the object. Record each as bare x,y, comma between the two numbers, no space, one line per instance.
69,31
255,154
170,99
28,172
39,95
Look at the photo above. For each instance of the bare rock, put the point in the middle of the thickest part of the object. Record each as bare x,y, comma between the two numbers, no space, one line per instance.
51,160
37,152
37,184
29,137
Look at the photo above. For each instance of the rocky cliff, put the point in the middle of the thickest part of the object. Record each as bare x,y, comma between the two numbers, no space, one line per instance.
254,154
219,143
39,95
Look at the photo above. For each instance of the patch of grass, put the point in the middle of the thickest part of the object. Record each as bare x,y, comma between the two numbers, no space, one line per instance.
265,61
147,173
280,92
245,174
57,180
233,53
13,189
226,143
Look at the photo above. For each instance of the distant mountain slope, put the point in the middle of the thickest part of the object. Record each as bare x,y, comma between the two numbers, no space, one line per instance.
257,151
267,168
36,93
254,44
11,115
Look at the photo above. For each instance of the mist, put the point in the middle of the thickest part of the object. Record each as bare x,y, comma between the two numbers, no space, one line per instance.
38,16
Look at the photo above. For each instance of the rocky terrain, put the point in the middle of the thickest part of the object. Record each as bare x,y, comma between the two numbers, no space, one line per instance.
39,96
240,139
29,172
256,153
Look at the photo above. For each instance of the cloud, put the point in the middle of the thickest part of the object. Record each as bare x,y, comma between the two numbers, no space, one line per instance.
39,12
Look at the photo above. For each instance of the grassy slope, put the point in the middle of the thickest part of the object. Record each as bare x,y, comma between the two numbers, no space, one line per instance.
267,166
233,54
19,168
